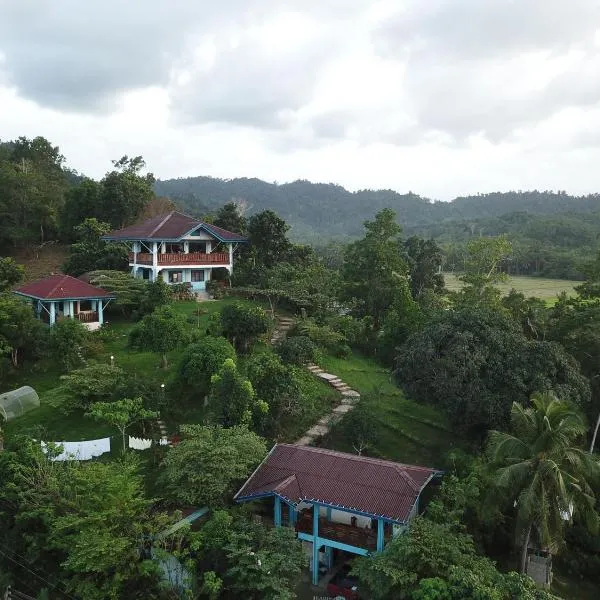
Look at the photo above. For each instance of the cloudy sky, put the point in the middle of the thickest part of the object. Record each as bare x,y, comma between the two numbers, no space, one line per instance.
441,97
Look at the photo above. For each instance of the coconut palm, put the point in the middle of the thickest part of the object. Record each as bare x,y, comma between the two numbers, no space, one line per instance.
541,470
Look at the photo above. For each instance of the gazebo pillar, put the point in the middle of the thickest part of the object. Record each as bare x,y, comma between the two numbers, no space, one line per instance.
100,312
316,545
52,313
277,512
380,534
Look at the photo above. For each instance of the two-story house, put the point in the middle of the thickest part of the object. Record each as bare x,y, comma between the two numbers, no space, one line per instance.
178,249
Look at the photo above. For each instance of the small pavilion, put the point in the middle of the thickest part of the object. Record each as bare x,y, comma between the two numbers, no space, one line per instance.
62,296
337,501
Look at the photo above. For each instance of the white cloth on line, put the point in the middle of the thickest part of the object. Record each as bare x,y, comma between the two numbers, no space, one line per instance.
80,450
139,443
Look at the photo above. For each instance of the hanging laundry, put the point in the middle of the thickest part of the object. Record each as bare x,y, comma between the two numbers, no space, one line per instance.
80,450
139,443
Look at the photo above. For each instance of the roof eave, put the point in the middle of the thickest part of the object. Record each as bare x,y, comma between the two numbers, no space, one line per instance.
64,298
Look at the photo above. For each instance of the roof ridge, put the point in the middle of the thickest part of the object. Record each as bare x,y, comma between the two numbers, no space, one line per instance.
167,217
409,479
285,481
369,459
63,276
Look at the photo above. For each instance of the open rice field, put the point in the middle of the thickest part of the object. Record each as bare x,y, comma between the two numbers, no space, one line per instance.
546,289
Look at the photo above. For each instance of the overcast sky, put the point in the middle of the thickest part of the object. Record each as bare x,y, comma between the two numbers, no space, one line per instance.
441,97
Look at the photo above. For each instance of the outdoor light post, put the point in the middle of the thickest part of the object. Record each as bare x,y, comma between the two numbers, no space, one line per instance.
162,391
112,360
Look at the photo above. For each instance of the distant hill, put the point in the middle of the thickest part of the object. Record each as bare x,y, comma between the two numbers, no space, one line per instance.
316,210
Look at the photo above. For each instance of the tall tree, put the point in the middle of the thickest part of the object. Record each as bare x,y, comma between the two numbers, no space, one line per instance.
374,269
424,258
268,238
11,273
230,217
541,470
21,334
90,253
82,202
482,269
125,192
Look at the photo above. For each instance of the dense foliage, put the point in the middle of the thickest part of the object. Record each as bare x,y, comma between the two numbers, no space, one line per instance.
474,363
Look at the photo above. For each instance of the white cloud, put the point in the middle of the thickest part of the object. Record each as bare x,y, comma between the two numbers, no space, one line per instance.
443,97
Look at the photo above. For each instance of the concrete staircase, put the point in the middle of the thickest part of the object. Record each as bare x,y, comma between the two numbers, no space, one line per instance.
282,326
350,398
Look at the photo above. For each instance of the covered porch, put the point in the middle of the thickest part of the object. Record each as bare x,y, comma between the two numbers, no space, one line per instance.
64,297
89,311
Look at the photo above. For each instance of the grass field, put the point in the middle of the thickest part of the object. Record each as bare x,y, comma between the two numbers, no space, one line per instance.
406,431
546,289
44,376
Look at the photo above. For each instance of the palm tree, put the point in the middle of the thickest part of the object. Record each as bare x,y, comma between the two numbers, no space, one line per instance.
542,472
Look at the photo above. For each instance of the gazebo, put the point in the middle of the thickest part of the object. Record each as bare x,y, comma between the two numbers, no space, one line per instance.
62,296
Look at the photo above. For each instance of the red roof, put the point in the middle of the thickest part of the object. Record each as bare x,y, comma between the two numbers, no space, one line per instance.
172,226
358,483
60,287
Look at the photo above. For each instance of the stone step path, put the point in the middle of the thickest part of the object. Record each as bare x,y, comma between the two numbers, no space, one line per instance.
282,326
350,398
162,428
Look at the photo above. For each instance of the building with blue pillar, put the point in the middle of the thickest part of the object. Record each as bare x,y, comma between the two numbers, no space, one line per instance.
337,502
178,249
62,296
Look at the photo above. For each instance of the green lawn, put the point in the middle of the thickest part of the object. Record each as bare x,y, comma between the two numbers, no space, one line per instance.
546,289
44,376
406,431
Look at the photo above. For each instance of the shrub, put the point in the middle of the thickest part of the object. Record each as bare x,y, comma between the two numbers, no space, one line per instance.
242,324
297,350
68,341
323,336
202,360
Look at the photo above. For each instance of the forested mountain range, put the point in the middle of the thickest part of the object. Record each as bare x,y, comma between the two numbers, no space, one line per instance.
316,209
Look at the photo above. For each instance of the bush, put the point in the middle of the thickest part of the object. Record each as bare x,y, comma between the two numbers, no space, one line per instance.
323,336
242,325
297,350
202,360
89,384
69,342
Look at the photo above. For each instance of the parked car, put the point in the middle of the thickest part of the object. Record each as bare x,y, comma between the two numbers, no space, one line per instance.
343,585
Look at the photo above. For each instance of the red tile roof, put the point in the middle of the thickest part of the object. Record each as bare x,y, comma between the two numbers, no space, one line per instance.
358,483
60,287
172,226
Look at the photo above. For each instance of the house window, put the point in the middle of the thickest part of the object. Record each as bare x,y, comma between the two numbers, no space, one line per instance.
197,275
175,276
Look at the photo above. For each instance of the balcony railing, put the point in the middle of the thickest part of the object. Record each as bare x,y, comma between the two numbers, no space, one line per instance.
87,316
177,259
338,532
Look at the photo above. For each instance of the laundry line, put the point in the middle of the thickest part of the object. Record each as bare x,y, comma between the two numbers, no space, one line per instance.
88,449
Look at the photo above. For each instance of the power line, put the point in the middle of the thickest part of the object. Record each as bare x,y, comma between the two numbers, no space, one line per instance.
53,585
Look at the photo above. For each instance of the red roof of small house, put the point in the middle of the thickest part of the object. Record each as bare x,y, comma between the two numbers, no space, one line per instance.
61,287
172,226
360,484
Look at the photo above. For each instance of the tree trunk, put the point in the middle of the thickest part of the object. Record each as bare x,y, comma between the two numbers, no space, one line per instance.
524,549
595,434
164,363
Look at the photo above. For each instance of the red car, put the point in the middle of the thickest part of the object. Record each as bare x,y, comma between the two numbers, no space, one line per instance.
343,585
